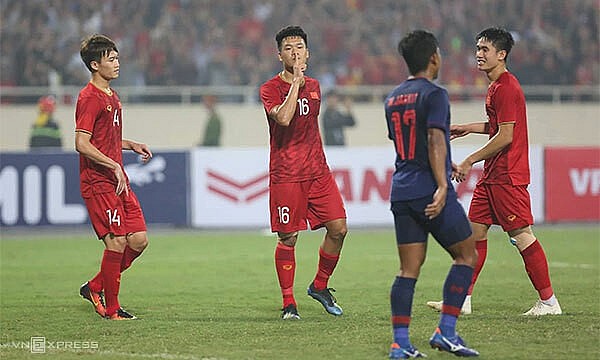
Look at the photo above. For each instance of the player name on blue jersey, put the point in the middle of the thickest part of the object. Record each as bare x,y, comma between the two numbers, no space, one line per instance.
403,99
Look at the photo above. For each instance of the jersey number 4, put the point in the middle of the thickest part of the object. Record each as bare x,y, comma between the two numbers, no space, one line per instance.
405,124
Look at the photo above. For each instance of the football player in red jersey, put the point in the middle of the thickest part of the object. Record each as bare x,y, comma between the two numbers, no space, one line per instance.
501,196
301,186
114,210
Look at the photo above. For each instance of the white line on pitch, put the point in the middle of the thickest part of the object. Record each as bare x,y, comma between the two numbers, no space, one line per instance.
570,265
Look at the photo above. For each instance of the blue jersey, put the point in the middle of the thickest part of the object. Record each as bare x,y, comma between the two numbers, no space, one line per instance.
410,110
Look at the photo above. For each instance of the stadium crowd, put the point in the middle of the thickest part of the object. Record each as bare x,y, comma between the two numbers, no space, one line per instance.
354,42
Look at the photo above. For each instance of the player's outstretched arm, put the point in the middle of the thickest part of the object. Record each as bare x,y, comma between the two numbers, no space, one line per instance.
460,130
138,148
498,142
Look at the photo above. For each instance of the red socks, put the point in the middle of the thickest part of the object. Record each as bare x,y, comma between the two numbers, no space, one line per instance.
128,256
97,284
327,263
111,278
481,246
536,266
285,265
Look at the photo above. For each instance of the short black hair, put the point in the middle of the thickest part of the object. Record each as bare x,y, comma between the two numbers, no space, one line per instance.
500,38
94,47
416,48
288,31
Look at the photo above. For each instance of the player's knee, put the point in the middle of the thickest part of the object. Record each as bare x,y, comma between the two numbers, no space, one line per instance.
521,238
288,239
115,243
137,241
338,233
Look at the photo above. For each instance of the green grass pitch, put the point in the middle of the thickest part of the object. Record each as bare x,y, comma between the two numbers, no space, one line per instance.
214,295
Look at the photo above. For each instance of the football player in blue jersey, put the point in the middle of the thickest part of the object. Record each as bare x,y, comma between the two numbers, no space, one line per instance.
423,200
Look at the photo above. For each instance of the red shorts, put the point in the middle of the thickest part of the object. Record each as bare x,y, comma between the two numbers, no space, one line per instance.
112,214
503,204
293,204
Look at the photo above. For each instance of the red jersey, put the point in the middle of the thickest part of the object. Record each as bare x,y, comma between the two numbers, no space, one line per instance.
99,115
505,103
296,150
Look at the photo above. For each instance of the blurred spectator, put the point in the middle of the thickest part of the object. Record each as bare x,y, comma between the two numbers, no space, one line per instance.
337,116
45,132
212,130
212,42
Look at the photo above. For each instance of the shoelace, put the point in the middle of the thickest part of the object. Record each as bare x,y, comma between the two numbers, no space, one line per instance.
329,290
540,305
101,297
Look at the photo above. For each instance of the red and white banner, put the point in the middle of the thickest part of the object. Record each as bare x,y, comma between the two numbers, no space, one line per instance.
572,184
229,187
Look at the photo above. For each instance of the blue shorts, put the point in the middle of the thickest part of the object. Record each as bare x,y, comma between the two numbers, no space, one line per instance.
412,226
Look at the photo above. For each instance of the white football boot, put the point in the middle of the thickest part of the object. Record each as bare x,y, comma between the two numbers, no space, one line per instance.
465,310
540,308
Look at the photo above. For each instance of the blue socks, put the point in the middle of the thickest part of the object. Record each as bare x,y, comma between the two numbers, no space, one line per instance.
401,298
455,290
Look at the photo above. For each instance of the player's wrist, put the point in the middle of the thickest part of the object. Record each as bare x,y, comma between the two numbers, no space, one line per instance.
469,161
114,166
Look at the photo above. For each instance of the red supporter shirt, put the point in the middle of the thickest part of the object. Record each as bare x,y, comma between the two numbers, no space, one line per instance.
99,115
296,150
505,103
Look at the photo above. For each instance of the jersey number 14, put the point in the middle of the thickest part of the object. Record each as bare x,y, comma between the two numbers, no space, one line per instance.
113,217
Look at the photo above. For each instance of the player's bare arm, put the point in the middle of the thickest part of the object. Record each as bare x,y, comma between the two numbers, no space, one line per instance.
498,142
460,130
85,148
138,148
437,161
284,113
